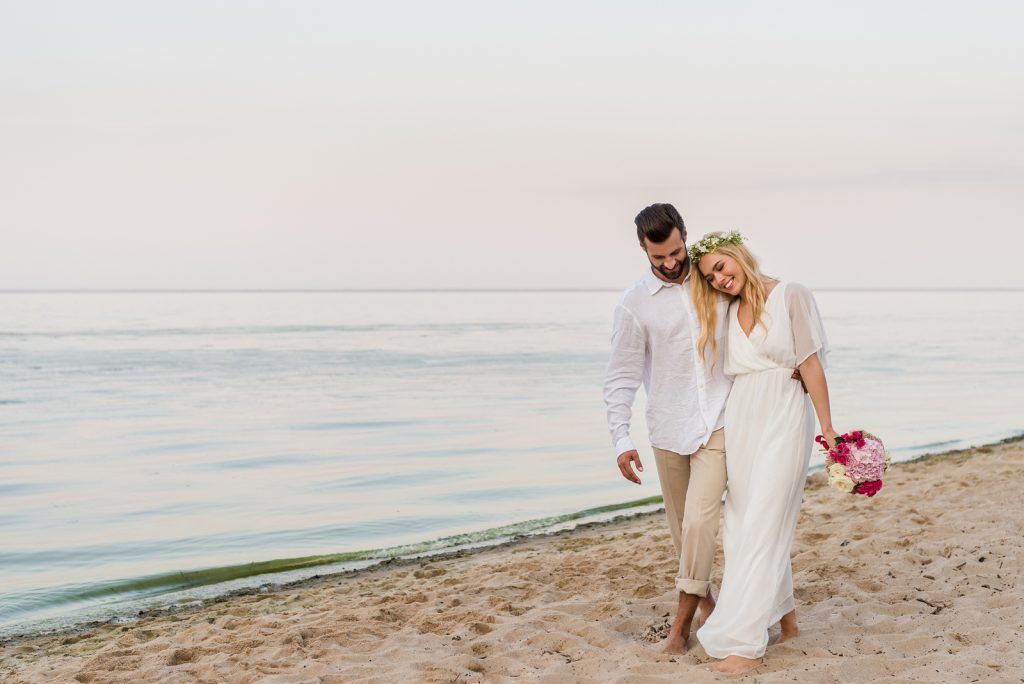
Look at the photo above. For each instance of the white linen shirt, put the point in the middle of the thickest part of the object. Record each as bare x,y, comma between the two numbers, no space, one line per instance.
654,343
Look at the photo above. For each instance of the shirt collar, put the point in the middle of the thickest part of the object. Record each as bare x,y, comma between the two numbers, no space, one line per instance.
654,283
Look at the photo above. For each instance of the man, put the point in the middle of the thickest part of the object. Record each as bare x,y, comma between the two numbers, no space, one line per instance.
654,344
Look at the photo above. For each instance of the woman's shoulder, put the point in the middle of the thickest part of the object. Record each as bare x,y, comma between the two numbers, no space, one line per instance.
771,285
794,290
778,290
798,297
792,287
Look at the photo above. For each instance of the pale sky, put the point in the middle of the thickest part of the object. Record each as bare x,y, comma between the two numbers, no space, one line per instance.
247,144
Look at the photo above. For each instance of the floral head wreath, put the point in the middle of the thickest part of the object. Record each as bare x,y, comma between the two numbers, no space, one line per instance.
710,243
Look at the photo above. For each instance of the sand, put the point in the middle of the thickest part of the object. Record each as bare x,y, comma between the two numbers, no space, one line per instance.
919,584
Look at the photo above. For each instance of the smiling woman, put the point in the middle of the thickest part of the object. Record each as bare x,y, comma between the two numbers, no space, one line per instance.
725,267
773,329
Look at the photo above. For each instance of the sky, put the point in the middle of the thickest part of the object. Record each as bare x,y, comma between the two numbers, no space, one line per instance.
429,145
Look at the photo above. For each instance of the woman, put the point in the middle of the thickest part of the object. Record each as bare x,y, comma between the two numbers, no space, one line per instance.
773,328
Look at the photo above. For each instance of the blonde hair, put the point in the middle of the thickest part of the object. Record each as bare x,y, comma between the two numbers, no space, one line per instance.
705,297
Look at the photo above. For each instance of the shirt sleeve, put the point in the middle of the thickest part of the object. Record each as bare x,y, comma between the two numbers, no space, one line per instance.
808,331
624,376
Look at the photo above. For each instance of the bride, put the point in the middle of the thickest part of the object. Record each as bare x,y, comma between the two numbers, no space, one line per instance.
773,328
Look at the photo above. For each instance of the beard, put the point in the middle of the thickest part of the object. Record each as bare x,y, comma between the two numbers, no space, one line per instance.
676,272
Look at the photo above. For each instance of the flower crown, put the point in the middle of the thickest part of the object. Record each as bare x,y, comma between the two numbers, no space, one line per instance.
709,243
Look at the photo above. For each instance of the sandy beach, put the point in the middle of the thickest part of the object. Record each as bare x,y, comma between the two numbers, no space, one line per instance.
920,583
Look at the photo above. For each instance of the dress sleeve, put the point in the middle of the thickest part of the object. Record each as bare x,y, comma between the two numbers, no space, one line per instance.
808,331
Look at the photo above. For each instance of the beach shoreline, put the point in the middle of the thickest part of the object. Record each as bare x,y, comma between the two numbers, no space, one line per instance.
590,604
202,586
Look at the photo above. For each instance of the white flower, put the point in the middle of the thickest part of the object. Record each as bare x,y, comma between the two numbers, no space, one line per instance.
843,484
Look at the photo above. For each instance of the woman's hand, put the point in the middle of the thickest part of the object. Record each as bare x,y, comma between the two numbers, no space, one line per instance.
830,436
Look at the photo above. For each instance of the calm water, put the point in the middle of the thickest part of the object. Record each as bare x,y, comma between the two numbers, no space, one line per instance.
153,445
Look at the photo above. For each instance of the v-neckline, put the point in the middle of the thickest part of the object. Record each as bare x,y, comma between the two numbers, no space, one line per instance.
736,312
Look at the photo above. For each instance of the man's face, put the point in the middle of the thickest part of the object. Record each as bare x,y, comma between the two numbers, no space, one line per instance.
669,258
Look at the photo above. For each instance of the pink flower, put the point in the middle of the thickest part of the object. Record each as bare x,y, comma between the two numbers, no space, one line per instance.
861,443
866,461
869,488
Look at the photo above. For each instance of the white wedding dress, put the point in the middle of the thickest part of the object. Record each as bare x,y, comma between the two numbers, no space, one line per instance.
769,431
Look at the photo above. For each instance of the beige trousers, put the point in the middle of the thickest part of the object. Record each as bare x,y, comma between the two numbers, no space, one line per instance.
692,487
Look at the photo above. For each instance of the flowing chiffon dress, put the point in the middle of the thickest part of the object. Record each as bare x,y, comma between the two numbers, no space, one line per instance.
769,432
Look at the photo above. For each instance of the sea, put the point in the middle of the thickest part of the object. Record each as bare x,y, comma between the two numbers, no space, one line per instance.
159,448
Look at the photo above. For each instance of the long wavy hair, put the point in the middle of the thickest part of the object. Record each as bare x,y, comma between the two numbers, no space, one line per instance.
706,297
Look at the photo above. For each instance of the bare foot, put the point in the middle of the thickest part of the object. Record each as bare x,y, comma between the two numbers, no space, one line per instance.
790,630
735,664
704,610
675,644
679,632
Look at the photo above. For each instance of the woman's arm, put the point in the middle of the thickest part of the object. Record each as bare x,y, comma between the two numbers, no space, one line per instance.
817,386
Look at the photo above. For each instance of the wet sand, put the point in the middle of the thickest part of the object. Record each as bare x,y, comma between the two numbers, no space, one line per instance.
920,583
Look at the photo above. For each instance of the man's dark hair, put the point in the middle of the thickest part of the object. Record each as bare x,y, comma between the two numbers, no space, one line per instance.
657,222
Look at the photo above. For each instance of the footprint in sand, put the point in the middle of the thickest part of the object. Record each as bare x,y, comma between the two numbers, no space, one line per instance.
180,656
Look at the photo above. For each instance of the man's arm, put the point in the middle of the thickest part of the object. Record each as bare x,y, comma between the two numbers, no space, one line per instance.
624,377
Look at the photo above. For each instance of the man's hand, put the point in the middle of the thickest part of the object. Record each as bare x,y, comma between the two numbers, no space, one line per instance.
796,376
625,461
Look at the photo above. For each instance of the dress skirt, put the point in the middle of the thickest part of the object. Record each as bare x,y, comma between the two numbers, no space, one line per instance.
769,432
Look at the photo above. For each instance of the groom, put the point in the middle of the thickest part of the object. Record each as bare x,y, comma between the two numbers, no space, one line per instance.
654,344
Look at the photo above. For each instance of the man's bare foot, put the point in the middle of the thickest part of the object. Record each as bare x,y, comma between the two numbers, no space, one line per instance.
679,632
675,644
735,664
704,610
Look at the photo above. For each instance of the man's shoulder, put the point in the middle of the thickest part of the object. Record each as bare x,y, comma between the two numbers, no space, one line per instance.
634,295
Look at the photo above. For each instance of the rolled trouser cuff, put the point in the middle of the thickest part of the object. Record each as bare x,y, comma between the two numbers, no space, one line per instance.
692,586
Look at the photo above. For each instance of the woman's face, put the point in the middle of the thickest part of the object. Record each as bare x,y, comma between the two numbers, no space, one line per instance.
723,273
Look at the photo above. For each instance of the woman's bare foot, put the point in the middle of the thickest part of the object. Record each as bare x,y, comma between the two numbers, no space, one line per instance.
735,664
790,630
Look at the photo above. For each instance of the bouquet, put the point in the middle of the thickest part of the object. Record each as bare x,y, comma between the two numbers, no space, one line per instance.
856,463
